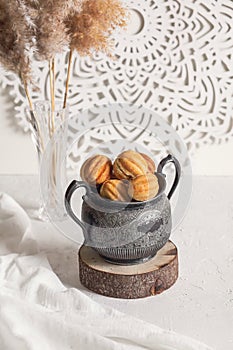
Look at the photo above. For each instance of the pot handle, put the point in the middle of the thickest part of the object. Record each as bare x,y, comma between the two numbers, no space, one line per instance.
73,186
165,161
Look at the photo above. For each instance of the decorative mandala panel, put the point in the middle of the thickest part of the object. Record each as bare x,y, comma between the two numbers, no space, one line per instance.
176,58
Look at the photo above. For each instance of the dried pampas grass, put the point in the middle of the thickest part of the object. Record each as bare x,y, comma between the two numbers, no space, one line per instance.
15,40
47,27
52,35
91,28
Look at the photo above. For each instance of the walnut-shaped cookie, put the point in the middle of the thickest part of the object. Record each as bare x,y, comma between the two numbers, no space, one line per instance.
116,190
144,187
150,163
96,170
130,164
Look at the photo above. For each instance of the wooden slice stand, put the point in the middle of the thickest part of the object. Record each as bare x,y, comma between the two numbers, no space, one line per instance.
129,281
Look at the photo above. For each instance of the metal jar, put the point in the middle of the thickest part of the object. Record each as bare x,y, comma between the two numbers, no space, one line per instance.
126,233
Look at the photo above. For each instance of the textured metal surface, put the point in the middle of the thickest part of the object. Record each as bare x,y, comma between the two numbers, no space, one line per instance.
129,234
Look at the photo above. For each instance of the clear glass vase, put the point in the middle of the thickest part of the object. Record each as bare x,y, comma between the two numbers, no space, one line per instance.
45,122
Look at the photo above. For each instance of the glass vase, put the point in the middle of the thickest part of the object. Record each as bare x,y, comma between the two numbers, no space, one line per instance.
45,124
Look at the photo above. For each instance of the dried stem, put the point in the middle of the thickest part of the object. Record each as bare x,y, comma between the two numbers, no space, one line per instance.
53,71
33,112
28,94
52,94
68,78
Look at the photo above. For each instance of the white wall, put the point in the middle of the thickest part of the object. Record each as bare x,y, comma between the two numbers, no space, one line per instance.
17,154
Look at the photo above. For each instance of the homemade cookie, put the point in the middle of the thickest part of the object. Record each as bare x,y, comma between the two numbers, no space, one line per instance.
150,163
130,164
116,190
96,170
144,187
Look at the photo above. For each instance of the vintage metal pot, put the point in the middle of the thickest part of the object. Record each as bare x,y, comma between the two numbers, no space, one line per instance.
125,233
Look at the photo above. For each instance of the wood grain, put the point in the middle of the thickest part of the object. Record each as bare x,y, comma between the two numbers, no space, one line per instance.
129,281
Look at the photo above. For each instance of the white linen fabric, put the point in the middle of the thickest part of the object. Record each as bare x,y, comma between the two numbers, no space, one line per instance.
38,312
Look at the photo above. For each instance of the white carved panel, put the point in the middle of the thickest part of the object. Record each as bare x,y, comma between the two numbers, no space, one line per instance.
176,58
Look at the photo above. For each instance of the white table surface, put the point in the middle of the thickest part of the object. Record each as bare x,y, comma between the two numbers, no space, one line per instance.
200,304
